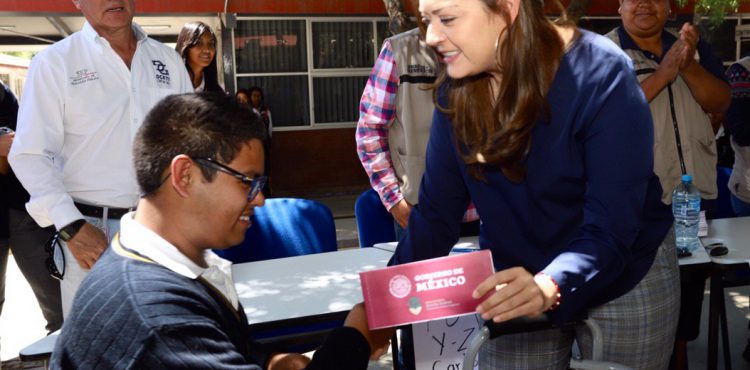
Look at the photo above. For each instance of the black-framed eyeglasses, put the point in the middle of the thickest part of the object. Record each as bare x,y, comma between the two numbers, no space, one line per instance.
55,257
255,184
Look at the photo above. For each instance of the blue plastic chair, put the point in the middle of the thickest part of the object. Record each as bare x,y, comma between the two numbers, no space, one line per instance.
374,223
723,201
285,227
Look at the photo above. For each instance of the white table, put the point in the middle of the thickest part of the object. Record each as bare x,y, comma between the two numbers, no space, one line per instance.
304,286
734,233
39,350
298,300
698,257
467,242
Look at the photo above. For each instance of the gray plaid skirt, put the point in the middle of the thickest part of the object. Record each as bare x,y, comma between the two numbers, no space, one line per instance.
638,327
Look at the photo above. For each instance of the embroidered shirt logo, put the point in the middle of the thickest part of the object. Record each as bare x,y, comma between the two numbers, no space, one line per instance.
420,69
83,76
162,73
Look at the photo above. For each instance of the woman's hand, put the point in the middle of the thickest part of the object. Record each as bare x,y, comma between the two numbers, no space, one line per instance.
516,293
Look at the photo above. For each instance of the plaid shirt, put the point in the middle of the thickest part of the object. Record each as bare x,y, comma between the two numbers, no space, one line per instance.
377,108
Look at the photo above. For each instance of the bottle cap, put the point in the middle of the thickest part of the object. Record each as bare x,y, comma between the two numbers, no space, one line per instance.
687,178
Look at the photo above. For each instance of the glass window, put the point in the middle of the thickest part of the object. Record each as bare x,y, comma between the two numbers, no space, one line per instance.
745,41
270,46
286,97
342,44
722,40
284,56
337,98
383,33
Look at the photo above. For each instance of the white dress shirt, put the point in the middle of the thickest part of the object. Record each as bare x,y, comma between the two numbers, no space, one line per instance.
79,113
143,240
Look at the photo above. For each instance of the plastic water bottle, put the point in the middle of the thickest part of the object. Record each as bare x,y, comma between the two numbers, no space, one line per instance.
686,208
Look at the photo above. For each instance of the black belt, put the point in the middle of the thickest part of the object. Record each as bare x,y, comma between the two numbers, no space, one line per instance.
98,212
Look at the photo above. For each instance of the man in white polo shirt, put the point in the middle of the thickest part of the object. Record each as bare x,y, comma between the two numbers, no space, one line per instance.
85,98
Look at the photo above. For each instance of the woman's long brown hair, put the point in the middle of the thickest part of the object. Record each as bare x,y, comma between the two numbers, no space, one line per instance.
528,59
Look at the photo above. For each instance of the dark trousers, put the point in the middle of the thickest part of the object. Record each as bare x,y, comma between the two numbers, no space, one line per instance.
27,241
692,285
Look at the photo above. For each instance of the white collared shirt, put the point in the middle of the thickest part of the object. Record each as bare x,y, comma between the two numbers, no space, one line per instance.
79,113
143,240
202,86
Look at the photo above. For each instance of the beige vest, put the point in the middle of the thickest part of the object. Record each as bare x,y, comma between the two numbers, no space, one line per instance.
739,182
407,138
675,106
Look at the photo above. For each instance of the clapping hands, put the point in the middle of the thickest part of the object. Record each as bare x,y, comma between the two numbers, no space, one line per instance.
682,52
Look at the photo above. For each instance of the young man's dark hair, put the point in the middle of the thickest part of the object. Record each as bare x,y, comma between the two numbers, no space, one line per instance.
205,125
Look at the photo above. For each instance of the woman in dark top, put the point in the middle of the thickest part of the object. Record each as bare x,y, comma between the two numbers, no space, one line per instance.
545,129
196,44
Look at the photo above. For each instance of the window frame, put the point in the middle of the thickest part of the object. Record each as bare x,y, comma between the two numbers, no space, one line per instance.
312,72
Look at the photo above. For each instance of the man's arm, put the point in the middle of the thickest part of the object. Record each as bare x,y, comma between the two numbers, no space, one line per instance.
377,108
705,78
35,158
709,91
35,155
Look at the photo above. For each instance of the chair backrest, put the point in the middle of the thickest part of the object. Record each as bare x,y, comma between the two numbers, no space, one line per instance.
723,200
285,227
374,223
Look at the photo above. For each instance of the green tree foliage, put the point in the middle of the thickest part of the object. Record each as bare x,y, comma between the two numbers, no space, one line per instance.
21,54
715,10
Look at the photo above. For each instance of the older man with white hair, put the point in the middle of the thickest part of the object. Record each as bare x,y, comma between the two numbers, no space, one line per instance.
84,100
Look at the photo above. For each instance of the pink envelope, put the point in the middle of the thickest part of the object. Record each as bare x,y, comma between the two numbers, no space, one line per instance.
425,290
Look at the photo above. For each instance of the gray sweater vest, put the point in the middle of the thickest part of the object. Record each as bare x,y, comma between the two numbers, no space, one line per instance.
673,110
407,138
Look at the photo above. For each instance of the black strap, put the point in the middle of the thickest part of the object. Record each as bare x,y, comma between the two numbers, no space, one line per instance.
416,79
98,212
676,130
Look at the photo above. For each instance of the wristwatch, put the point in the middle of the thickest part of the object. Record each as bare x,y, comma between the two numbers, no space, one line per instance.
70,230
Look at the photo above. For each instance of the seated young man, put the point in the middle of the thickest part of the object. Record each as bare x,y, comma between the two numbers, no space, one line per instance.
159,298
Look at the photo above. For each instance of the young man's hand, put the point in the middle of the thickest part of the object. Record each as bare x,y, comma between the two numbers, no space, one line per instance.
379,340
5,142
288,361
